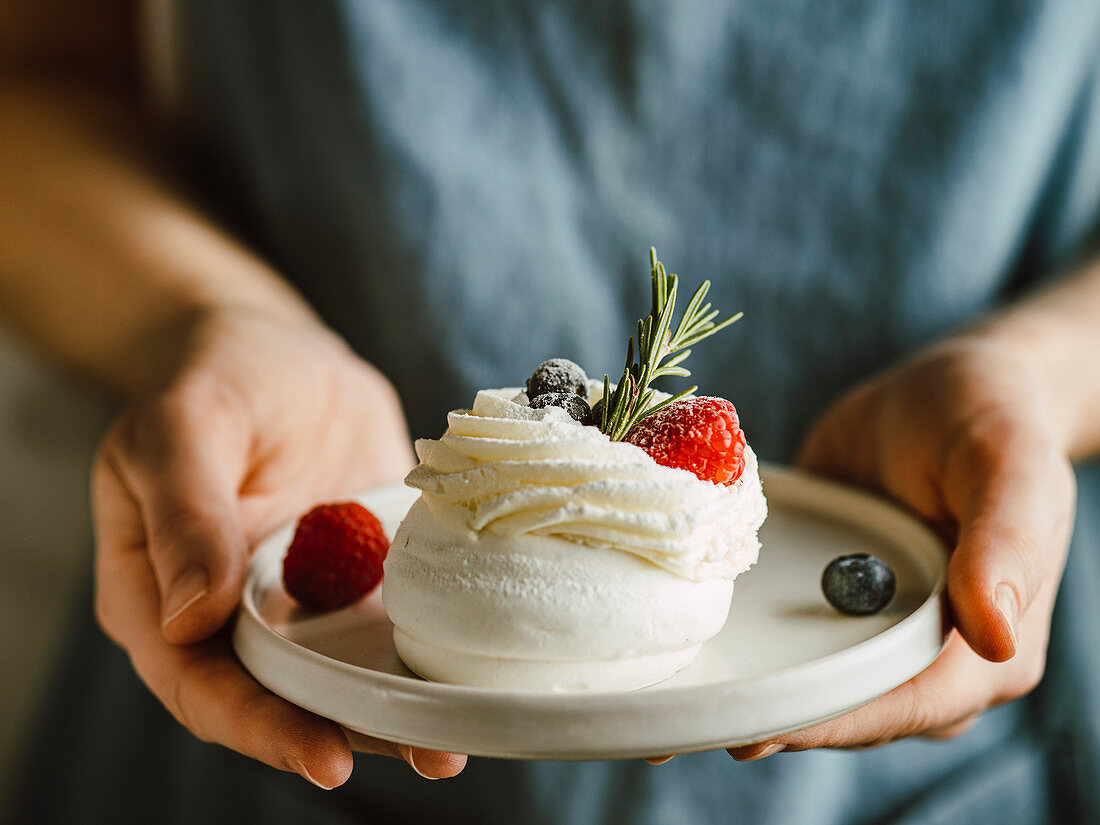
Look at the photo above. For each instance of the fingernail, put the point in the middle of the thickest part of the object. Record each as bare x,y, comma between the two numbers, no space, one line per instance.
1005,597
774,747
300,769
660,760
406,752
188,588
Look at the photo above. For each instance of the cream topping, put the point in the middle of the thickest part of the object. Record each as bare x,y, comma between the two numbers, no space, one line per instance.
507,469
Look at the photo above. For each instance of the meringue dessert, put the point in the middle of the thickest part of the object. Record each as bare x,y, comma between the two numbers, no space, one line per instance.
542,556
576,536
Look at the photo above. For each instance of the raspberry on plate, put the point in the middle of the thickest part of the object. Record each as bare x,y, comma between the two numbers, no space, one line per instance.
335,557
701,435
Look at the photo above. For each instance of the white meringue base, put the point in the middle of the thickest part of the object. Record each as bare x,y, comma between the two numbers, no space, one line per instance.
438,664
539,613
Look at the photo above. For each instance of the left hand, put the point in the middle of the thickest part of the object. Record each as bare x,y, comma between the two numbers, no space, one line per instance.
262,417
961,435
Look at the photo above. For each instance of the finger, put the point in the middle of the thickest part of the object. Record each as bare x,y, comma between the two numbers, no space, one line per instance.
951,688
1014,502
182,463
750,753
828,449
430,764
202,685
657,761
941,701
955,729
849,442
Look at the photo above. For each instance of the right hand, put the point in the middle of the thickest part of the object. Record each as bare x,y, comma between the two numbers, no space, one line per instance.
261,418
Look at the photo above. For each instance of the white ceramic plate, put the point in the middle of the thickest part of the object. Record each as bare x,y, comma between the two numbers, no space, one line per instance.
784,660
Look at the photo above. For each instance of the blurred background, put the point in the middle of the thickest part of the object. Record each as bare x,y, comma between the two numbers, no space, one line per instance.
49,427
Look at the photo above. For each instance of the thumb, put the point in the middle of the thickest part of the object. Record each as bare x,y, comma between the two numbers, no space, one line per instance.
1015,511
183,466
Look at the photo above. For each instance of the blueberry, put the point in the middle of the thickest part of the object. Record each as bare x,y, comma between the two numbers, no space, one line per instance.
597,413
557,375
576,406
858,584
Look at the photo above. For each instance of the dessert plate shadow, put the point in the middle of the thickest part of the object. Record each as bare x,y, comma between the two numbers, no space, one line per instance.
783,661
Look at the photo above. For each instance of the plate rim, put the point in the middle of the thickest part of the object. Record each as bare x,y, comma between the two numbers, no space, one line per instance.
250,628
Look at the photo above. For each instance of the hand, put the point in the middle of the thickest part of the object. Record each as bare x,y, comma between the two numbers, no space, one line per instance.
964,436
262,418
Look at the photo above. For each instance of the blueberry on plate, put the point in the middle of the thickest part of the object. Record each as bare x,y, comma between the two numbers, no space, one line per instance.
557,375
573,404
858,584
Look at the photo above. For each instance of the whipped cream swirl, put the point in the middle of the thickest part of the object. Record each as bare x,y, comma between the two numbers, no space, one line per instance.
507,469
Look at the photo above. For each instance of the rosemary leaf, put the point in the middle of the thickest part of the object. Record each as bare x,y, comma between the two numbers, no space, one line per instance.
660,351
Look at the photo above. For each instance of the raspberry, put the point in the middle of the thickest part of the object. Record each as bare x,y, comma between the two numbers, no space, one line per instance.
701,435
335,557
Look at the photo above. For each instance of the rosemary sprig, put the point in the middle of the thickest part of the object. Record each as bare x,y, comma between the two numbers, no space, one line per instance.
632,400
